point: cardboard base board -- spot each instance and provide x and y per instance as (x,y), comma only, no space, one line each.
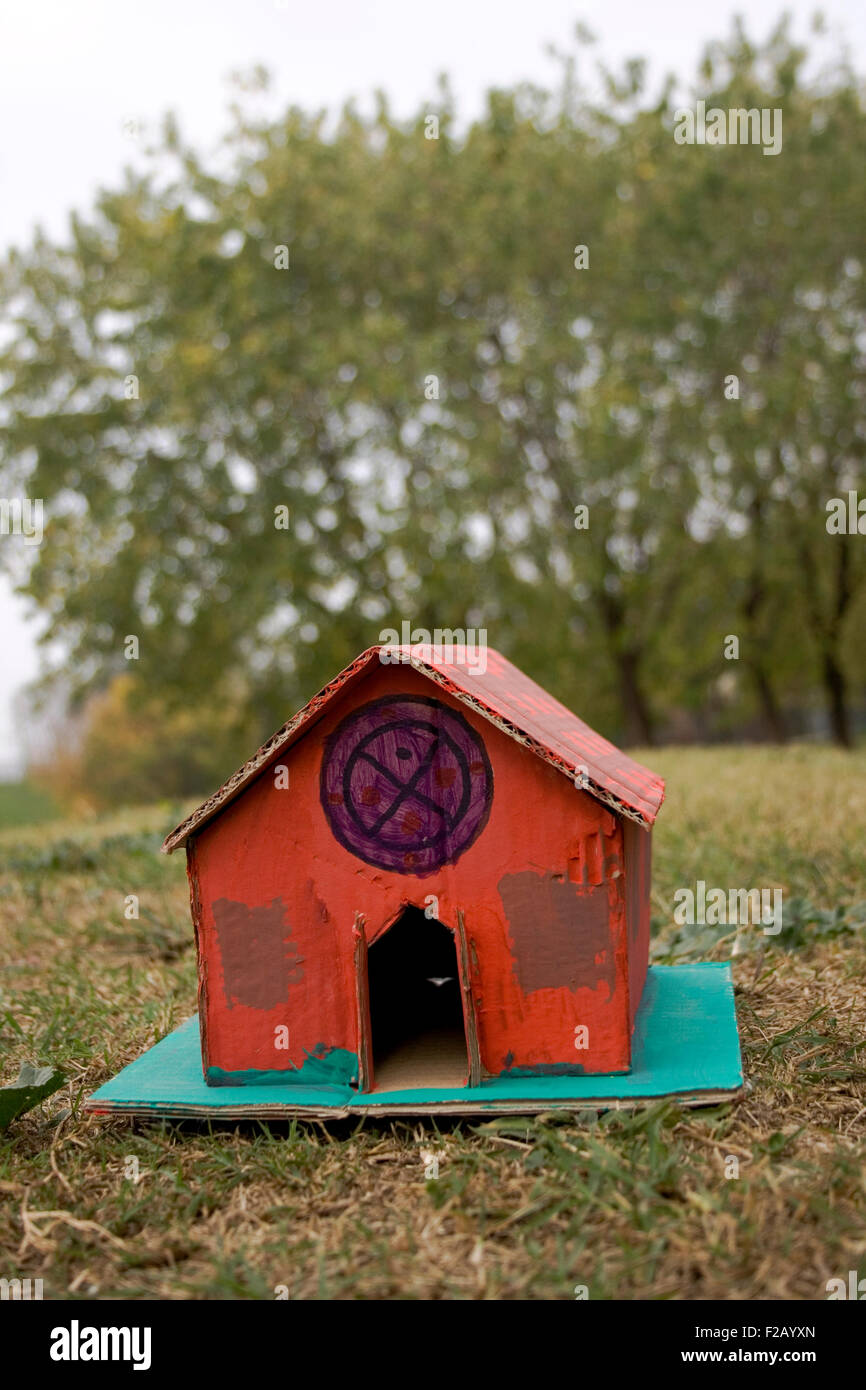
(685,1045)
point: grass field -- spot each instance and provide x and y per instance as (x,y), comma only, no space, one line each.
(631,1205)
(21,803)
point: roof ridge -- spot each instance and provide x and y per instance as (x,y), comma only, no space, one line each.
(591,761)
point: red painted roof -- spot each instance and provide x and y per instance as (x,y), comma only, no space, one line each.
(501,693)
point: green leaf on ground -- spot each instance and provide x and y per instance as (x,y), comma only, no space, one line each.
(33,1085)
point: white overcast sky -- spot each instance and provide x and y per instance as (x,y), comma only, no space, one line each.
(75,73)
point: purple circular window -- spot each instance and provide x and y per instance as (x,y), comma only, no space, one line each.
(406,784)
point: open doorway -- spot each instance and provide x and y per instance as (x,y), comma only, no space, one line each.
(416,1013)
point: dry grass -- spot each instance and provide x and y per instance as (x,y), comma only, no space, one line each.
(632,1205)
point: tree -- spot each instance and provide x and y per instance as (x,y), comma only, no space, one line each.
(363,375)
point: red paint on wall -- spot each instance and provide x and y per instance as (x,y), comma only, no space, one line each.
(273,843)
(509,699)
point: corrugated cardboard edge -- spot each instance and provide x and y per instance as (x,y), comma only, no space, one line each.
(497,1107)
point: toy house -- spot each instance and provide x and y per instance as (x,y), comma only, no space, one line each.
(429,891)
(429,877)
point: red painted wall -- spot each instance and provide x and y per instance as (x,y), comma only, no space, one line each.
(557,853)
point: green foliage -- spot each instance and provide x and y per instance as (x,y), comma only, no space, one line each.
(412,258)
(134,743)
(803,925)
(34,1084)
(69,856)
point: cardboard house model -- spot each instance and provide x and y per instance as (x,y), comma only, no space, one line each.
(430,876)
(430,891)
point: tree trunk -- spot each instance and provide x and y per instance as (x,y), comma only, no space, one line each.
(827,630)
(639,722)
(837,704)
(833,672)
(753,610)
(774,719)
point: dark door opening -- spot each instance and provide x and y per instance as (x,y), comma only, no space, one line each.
(416,1009)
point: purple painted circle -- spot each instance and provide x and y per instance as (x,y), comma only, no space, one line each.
(406,784)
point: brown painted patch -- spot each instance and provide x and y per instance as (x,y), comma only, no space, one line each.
(562,937)
(259,959)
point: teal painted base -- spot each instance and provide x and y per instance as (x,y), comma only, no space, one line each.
(326,1070)
(685,1045)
